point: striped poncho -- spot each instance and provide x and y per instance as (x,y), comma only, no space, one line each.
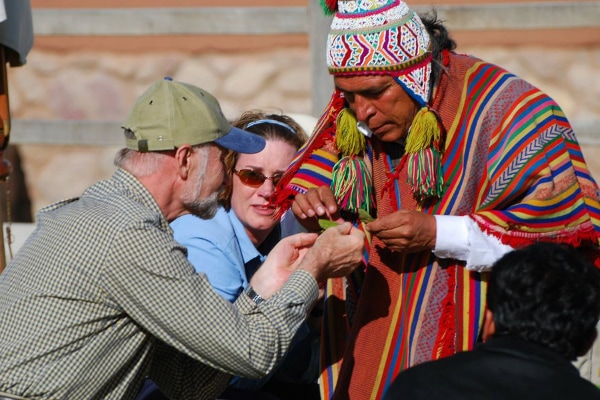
(510,161)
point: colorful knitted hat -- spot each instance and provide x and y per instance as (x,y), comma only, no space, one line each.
(385,37)
(380,37)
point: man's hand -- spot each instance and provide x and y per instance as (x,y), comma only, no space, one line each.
(314,204)
(405,231)
(282,260)
(336,253)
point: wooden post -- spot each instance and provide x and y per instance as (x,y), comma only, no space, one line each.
(5,166)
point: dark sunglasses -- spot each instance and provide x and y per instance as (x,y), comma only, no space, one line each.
(254,178)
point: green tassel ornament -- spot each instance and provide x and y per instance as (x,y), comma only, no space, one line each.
(425,173)
(351,181)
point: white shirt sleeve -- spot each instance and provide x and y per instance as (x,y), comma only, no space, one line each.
(459,237)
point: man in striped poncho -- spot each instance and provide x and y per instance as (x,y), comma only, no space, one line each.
(458,160)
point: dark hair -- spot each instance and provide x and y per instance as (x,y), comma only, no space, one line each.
(546,293)
(440,40)
(296,137)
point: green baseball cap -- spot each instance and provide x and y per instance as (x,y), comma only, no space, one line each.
(170,114)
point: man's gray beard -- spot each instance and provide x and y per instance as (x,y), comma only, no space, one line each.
(205,208)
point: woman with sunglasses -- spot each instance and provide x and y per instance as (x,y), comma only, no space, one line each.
(230,247)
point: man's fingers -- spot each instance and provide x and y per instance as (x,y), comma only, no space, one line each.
(315,203)
(316,206)
(301,206)
(384,223)
(344,228)
(328,200)
(300,240)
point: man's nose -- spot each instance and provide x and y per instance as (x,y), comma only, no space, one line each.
(362,108)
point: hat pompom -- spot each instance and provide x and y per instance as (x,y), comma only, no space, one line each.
(423,148)
(329,7)
(351,178)
(352,184)
(348,139)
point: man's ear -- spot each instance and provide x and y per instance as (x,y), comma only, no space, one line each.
(489,325)
(183,156)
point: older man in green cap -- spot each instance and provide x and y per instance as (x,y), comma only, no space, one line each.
(100,295)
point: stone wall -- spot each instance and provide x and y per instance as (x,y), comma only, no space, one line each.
(103,86)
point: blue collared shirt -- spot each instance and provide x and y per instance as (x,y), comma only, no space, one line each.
(220,248)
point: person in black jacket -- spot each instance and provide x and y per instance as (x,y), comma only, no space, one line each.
(543,306)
